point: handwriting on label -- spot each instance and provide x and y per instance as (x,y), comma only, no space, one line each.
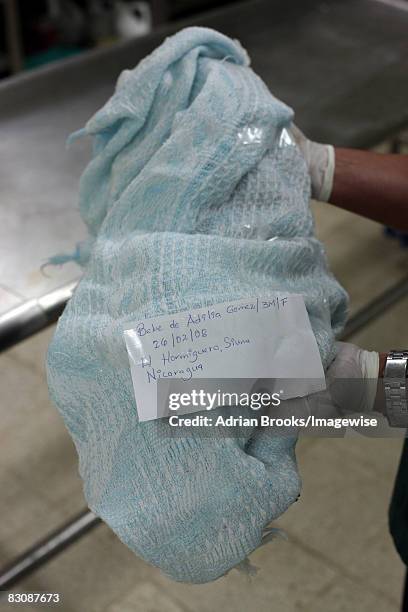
(181,342)
(176,334)
(247,338)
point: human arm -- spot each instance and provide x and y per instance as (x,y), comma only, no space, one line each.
(374,185)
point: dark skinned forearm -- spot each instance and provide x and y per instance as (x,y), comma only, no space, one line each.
(373,185)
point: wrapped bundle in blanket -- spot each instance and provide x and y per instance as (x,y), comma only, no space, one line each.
(195,195)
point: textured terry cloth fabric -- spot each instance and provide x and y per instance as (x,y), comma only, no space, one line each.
(189,201)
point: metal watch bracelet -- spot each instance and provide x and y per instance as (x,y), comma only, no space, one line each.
(395,388)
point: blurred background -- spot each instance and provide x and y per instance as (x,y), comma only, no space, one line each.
(43,31)
(342,66)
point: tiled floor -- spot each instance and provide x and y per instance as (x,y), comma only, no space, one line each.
(338,556)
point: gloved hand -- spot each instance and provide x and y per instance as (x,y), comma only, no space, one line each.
(352,379)
(320,161)
(351,387)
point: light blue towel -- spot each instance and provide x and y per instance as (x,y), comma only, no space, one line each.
(191,198)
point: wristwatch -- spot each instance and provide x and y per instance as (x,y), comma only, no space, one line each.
(395,388)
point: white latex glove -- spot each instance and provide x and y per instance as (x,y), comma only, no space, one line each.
(320,161)
(352,379)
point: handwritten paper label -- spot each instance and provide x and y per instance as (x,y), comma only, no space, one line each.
(260,338)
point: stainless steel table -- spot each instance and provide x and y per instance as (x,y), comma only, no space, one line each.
(342,64)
